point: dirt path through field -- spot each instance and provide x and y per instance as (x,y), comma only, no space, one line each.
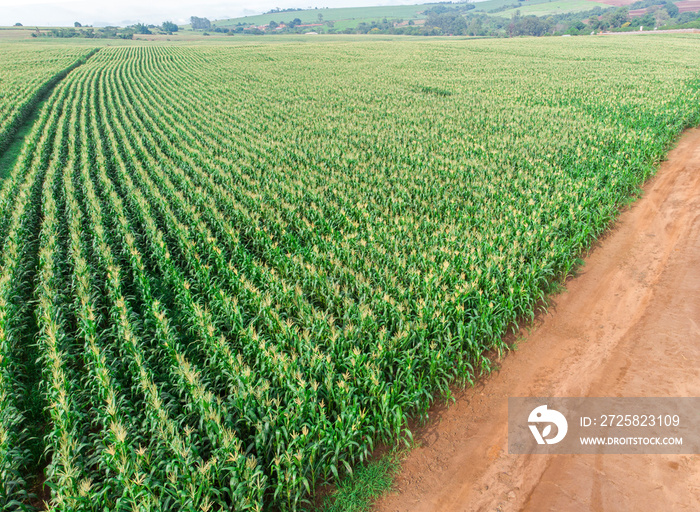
(628,325)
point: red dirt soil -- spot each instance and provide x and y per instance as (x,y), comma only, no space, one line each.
(637,12)
(688,6)
(616,3)
(628,325)
(684,6)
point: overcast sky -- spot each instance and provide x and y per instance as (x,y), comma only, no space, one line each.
(126,12)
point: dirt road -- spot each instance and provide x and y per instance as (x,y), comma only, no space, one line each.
(628,325)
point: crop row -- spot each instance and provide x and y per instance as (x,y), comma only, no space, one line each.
(228,272)
(26,75)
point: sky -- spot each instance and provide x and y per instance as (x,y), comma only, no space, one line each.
(128,12)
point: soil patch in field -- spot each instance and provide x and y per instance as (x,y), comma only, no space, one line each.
(688,6)
(628,325)
(616,3)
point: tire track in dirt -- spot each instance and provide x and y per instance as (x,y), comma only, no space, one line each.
(628,325)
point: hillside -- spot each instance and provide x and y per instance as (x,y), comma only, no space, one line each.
(308,16)
(552,7)
(351,16)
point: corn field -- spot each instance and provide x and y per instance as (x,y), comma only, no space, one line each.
(26,74)
(228,272)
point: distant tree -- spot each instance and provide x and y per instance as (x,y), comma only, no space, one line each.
(661,16)
(320,17)
(671,9)
(77,24)
(686,17)
(140,28)
(475,27)
(617,18)
(528,26)
(273,25)
(64,32)
(18,25)
(438,9)
(594,22)
(647,20)
(200,23)
(576,28)
(169,27)
(448,23)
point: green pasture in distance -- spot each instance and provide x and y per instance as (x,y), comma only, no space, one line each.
(406,12)
(552,7)
(489,5)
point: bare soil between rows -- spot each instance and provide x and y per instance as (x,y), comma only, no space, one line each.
(627,325)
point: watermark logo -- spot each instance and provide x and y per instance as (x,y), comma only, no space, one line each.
(603,425)
(542,415)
